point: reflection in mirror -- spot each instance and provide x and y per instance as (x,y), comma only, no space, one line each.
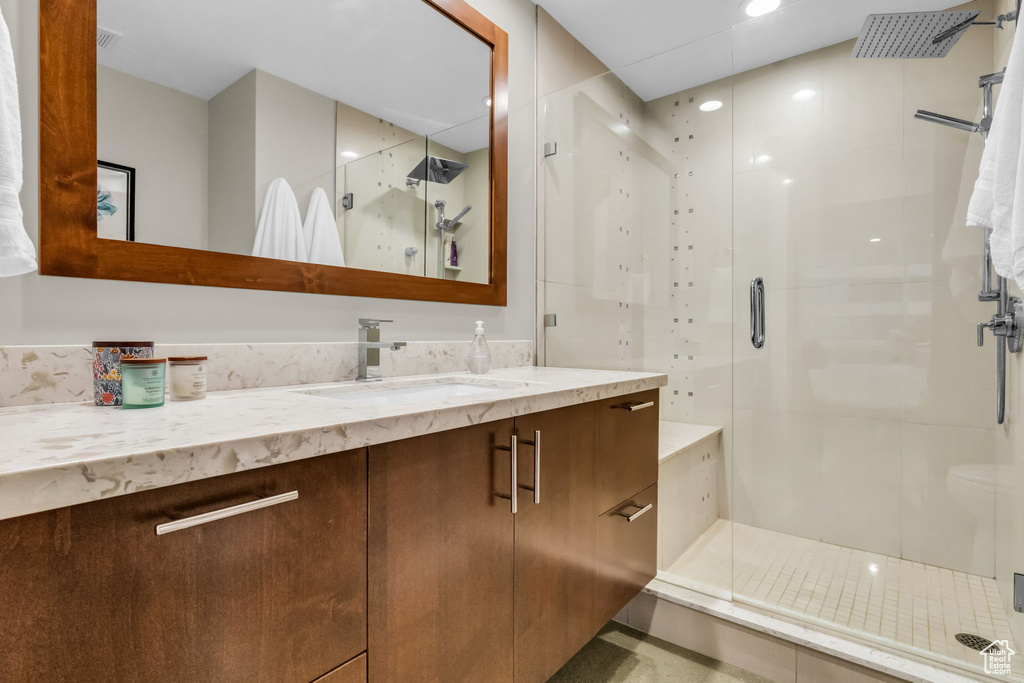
(360,143)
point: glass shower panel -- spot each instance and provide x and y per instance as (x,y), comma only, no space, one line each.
(857,424)
(385,227)
(635,285)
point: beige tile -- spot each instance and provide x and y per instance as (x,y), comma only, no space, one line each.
(861,484)
(721,640)
(950,380)
(782,375)
(777,471)
(948,520)
(856,365)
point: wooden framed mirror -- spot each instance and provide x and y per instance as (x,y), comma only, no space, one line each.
(182,145)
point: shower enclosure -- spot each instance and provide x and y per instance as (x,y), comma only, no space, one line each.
(789,245)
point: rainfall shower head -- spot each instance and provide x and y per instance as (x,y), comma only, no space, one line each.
(912,35)
(950,121)
(437,170)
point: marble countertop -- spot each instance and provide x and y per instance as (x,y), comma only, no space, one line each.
(68,453)
(675,437)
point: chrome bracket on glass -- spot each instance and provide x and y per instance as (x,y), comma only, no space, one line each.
(757,312)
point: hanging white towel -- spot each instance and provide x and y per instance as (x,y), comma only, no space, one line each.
(17,253)
(998,199)
(322,242)
(279,234)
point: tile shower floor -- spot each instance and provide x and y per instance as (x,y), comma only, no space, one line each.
(884,599)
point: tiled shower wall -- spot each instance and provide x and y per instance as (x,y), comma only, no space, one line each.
(850,423)
(870,391)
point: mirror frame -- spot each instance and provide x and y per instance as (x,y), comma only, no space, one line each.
(68,241)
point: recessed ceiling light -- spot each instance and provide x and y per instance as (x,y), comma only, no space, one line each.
(804,95)
(711,105)
(486,101)
(876,239)
(350,155)
(756,8)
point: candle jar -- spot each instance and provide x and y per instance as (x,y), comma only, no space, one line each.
(187,377)
(106,367)
(143,382)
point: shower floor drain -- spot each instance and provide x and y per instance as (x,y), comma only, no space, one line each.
(975,642)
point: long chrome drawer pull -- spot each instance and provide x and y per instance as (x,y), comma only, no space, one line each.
(633,407)
(207,517)
(632,517)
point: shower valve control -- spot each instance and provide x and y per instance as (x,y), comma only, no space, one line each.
(1009,325)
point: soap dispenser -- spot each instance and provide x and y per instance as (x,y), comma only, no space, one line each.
(479,355)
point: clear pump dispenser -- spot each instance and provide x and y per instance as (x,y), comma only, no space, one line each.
(479,360)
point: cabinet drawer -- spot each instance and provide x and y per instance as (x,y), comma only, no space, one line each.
(349,672)
(628,551)
(278,593)
(628,454)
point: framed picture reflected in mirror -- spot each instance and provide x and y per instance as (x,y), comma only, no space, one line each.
(115,201)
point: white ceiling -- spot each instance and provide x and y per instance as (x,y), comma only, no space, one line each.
(399,60)
(659,47)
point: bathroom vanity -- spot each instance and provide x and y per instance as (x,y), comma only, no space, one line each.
(440,528)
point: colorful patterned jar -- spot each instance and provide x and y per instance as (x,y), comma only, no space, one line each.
(106,368)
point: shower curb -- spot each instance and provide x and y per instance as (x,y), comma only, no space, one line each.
(901,666)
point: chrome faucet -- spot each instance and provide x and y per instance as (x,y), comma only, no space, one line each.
(369,349)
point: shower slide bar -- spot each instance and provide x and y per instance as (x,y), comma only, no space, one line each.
(1008,321)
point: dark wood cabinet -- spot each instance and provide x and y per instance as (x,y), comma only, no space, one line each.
(441,557)
(399,563)
(555,540)
(92,593)
(627,460)
(349,672)
(628,551)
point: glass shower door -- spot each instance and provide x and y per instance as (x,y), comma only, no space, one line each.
(859,422)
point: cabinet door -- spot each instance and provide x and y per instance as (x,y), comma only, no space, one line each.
(92,593)
(628,548)
(628,456)
(441,556)
(556,541)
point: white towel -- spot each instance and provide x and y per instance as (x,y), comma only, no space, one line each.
(279,234)
(998,200)
(17,253)
(322,242)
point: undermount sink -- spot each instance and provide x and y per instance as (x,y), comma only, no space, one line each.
(386,393)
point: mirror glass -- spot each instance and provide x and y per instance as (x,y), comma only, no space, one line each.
(343,132)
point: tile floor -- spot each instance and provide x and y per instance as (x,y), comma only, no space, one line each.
(619,654)
(885,599)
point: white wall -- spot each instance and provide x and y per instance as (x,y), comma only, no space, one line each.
(50,310)
(162,134)
(232,163)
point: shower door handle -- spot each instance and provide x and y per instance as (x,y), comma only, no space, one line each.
(757,312)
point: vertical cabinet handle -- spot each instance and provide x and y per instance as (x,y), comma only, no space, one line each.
(515,474)
(757,328)
(536,466)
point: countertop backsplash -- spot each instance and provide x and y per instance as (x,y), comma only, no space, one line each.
(36,375)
